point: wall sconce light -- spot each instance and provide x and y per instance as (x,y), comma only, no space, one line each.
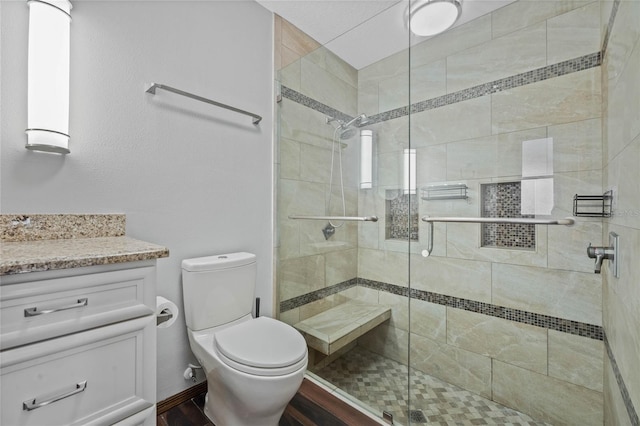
(366,159)
(48,76)
(431,17)
(409,168)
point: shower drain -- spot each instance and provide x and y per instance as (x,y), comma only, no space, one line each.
(417,416)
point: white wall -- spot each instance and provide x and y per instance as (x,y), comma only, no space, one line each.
(189,176)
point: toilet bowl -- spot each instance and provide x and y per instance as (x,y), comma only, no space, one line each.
(253,366)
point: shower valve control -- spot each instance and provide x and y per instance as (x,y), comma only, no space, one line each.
(602,253)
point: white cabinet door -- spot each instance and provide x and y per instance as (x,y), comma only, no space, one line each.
(99,376)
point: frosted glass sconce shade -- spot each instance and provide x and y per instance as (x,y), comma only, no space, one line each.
(48,76)
(409,169)
(366,159)
(431,17)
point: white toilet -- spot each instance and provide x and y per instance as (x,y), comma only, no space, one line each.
(253,366)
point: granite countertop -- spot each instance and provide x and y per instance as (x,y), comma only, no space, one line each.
(43,255)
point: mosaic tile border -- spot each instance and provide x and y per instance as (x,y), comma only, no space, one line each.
(539,320)
(304,299)
(540,74)
(612,18)
(304,100)
(631,411)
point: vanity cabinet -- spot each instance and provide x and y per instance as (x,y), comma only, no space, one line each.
(79,346)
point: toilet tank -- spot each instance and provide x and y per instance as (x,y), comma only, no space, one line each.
(218,289)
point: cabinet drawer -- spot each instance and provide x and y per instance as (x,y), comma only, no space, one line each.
(35,310)
(100,376)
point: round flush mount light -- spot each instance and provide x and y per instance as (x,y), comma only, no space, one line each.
(431,17)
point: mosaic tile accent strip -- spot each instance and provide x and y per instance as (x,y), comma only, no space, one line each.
(631,411)
(504,200)
(35,227)
(313,104)
(402,217)
(556,70)
(612,19)
(539,320)
(295,302)
(381,384)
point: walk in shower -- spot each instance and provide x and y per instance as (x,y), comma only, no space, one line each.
(430,244)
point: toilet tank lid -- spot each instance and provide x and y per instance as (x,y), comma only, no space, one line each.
(218,262)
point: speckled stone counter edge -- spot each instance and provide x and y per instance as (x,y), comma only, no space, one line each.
(33,227)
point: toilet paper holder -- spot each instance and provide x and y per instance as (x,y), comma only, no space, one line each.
(164,316)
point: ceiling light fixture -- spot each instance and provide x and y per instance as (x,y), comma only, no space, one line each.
(431,17)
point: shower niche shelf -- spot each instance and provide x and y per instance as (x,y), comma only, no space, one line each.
(457,191)
(593,205)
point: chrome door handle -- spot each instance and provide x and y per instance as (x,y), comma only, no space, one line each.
(34,312)
(32,404)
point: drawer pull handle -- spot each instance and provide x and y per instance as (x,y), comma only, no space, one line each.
(33,312)
(34,403)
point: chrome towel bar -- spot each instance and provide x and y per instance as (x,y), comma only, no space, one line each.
(526,221)
(152,89)
(345,218)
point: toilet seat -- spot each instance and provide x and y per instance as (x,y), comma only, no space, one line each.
(262,346)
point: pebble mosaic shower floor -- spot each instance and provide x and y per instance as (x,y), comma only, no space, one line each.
(382,383)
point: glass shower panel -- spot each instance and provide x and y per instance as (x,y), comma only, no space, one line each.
(505,122)
(345,213)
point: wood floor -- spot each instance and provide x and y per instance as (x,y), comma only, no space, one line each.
(311,406)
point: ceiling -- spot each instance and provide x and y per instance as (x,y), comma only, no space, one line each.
(362,32)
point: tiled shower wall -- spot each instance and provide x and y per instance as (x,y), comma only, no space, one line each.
(322,85)
(474,141)
(621,119)
(551,375)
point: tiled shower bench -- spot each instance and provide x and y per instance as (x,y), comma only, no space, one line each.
(335,328)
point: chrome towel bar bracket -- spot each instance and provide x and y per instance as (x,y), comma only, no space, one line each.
(527,221)
(152,89)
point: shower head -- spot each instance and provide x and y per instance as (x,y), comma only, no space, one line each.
(357,121)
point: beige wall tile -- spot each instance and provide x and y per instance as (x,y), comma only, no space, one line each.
(505,56)
(428,81)
(577,145)
(368,97)
(453,277)
(290,317)
(392,135)
(567,245)
(296,40)
(393,92)
(522,14)
(615,412)
(573,34)
(452,41)
(429,320)
(331,63)
(489,157)
(289,75)
(313,131)
(572,97)
(324,87)
(576,359)
(315,163)
(390,342)
(289,159)
(623,38)
(509,341)
(341,266)
(288,57)
(302,275)
(545,398)
(622,310)
(399,309)
(388,267)
(572,295)
(443,124)
(462,368)
(431,164)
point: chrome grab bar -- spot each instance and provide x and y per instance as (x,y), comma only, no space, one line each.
(32,404)
(34,312)
(345,218)
(514,220)
(152,89)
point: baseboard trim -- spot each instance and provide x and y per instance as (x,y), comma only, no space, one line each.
(179,398)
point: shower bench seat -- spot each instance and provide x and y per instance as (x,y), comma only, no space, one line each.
(335,328)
